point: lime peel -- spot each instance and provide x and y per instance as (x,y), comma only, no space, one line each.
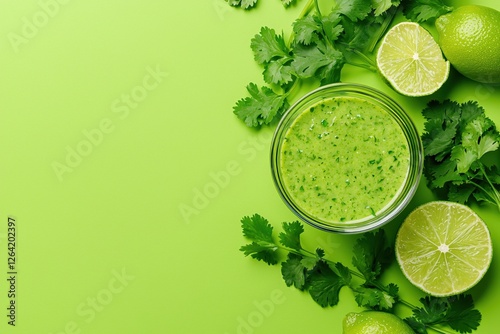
(374,322)
(469,39)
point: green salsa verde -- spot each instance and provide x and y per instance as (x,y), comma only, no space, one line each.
(344,159)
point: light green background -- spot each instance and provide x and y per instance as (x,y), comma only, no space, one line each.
(103,246)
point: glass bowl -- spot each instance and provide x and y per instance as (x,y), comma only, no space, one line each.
(346,158)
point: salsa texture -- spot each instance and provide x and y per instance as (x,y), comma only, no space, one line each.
(344,159)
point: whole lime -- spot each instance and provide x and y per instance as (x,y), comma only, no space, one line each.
(470,39)
(374,322)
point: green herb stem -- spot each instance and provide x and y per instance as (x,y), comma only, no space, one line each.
(307,9)
(379,286)
(496,197)
(383,28)
(316,5)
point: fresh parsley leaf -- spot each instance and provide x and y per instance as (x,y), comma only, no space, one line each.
(261,107)
(458,312)
(424,10)
(246,4)
(324,285)
(291,235)
(456,138)
(417,326)
(332,27)
(433,311)
(263,248)
(370,254)
(359,35)
(294,271)
(309,262)
(479,137)
(461,315)
(461,193)
(261,251)
(374,298)
(440,128)
(267,45)
(287,3)
(278,72)
(306,29)
(354,9)
(381,6)
(318,60)
(257,228)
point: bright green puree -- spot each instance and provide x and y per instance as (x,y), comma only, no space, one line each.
(344,159)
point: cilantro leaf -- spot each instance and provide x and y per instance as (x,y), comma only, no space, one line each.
(309,262)
(261,107)
(458,312)
(360,36)
(294,271)
(480,136)
(318,60)
(306,29)
(354,9)
(441,126)
(257,228)
(433,312)
(381,6)
(424,10)
(324,285)
(417,326)
(278,72)
(456,138)
(370,254)
(261,252)
(246,4)
(287,3)
(263,248)
(332,26)
(374,298)
(461,194)
(461,315)
(291,235)
(267,45)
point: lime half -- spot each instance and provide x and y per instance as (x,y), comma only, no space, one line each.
(443,248)
(411,60)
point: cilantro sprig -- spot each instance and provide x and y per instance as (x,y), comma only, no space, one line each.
(319,46)
(456,141)
(313,272)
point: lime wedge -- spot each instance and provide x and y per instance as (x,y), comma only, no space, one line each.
(411,61)
(443,248)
